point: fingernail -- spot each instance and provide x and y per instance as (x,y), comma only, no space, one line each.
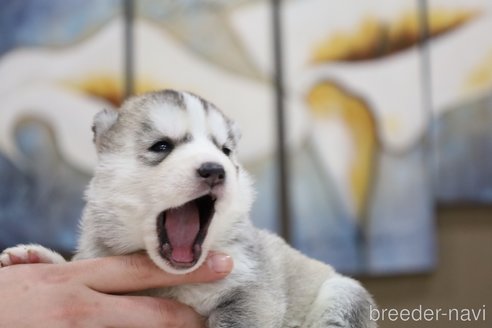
(220,263)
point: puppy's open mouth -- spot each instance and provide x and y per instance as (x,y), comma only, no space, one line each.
(182,230)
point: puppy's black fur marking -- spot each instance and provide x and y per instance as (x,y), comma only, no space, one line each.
(205,104)
(231,136)
(187,138)
(232,312)
(94,131)
(207,107)
(173,97)
(146,127)
(167,96)
(153,159)
(360,310)
(215,142)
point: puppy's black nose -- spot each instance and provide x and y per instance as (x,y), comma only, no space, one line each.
(212,173)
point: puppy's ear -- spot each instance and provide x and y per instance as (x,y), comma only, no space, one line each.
(103,121)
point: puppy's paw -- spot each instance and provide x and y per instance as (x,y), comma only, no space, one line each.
(23,254)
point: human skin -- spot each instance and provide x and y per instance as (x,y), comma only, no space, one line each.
(90,293)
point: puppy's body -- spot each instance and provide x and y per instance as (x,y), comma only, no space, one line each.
(168,182)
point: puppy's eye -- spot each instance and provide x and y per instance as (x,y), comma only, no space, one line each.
(226,150)
(161,146)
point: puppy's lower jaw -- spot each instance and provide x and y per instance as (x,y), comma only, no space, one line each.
(182,230)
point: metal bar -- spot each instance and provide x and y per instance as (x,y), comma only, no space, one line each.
(430,141)
(426,79)
(282,160)
(129,77)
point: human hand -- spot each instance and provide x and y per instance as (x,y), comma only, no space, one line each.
(81,293)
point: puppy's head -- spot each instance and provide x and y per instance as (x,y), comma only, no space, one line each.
(167,179)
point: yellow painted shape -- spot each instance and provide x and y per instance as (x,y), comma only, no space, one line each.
(481,76)
(374,38)
(349,46)
(111,88)
(328,101)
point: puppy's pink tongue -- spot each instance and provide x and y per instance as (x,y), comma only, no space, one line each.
(182,227)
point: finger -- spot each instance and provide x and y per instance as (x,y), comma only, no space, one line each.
(123,274)
(143,311)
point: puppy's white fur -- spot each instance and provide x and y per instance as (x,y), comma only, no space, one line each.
(272,285)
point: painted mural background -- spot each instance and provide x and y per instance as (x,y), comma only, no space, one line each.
(461,68)
(368,144)
(51,55)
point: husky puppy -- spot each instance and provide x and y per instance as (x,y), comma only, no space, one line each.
(168,182)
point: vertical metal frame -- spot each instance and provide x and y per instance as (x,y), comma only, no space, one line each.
(426,81)
(427,103)
(282,155)
(129,62)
